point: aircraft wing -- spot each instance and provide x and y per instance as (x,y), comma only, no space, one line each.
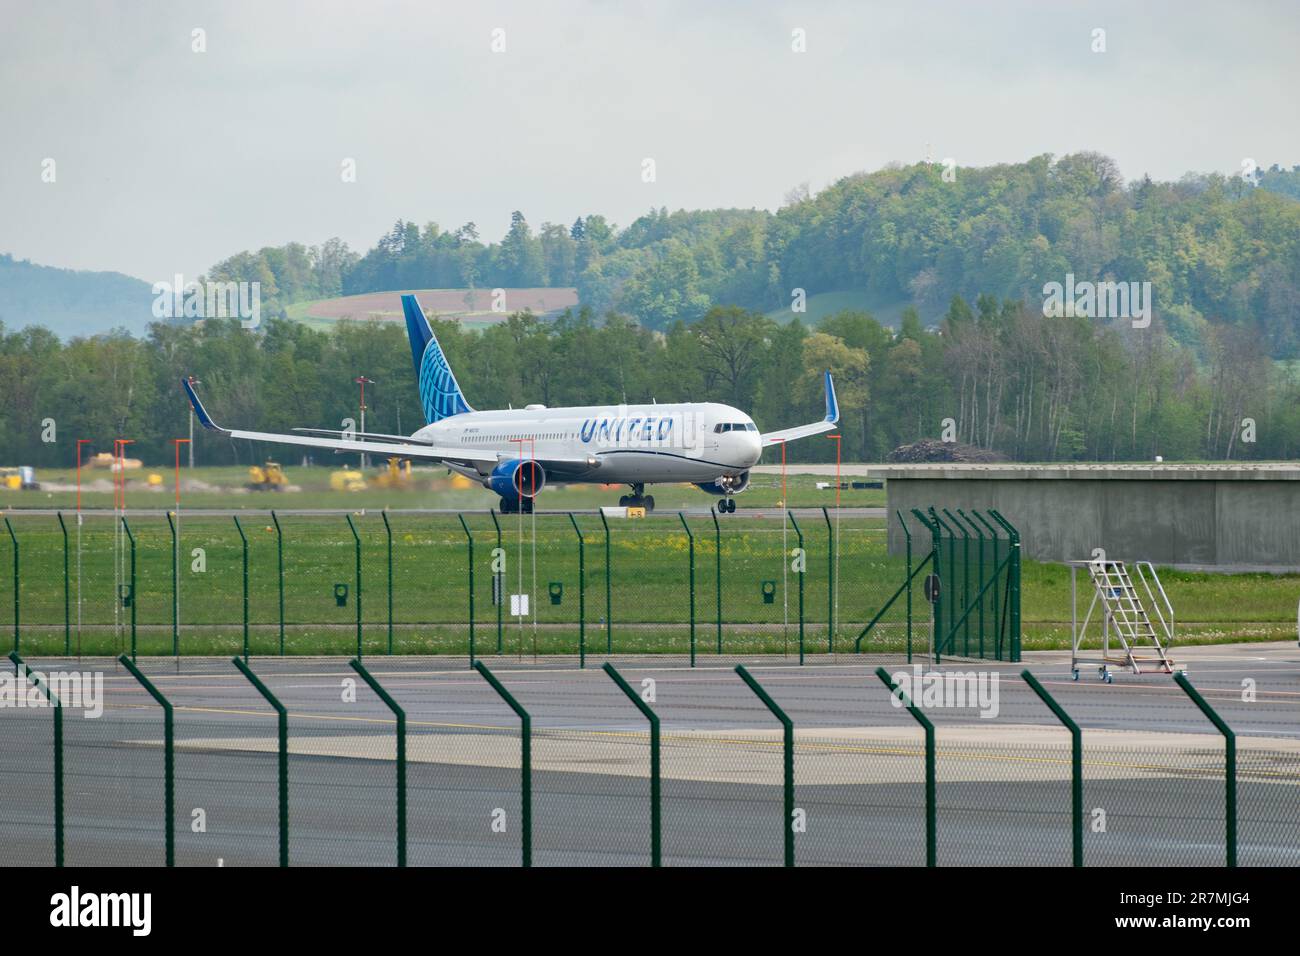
(482,460)
(814,428)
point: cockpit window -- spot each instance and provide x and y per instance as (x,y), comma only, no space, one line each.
(721,427)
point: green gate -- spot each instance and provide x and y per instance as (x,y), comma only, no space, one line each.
(976,614)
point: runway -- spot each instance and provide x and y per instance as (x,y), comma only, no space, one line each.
(1153,764)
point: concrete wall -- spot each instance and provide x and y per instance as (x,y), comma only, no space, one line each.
(1219,518)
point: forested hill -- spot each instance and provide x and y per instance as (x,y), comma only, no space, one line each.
(72,302)
(1215,248)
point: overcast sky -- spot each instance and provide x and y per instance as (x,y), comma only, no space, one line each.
(169,160)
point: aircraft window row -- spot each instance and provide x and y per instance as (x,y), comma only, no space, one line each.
(487,438)
(721,427)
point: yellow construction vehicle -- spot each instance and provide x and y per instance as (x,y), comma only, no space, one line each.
(21,478)
(396,475)
(347,480)
(266,477)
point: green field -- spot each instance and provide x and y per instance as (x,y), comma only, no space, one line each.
(886,311)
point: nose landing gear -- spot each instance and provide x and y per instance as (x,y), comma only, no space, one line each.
(727,506)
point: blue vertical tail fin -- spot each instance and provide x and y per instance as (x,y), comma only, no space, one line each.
(440,395)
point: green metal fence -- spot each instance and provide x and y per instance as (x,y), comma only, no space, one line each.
(974,558)
(390,583)
(226,763)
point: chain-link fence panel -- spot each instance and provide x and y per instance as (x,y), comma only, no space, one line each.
(654,585)
(31,584)
(1268,802)
(1153,799)
(226,763)
(321,592)
(113,776)
(342,764)
(27,773)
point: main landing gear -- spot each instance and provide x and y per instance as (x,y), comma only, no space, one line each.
(727,506)
(514,506)
(638,499)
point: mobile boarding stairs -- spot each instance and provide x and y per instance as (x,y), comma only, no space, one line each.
(1129,636)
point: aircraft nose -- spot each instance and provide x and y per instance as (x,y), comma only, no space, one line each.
(753,446)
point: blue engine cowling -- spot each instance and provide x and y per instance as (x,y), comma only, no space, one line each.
(726,484)
(517,478)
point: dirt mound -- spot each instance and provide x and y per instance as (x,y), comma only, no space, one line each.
(931,450)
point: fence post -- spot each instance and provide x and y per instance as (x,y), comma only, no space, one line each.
(830,582)
(965,577)
(17,644)
(924,721)
(356,541)
(691,539)
(20,667)
(787,762)
(500,591)
(131,538)
(243,538)
(936,561)
(609,594)
(279,564)
(997,592)
(169,757)
(283,726)
(470,539)
(525,761)
(1229,764)
(1013,585)
(582,593)
(67,593)
(908,535)
(717,539)
(656,799)
(950,585)
(979,580)
(804,565)
(388,533)
(176,587)
(400,716)
(1076,761)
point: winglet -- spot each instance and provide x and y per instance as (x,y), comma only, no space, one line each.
(204,418)
(832,405)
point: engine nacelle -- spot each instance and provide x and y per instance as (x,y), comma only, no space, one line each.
(517,478)
(726,484)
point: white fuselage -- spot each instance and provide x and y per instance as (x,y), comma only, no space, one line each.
(612,444)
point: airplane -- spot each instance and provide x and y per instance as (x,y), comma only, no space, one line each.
(516,452)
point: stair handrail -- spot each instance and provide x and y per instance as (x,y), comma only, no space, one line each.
(1166,625)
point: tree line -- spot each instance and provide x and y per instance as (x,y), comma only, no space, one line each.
(995,372)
